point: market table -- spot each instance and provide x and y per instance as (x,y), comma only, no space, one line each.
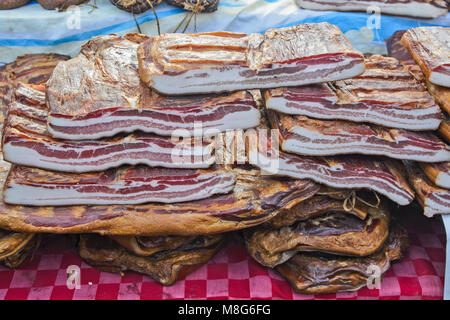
(231,274)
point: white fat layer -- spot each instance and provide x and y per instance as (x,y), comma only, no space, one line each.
(190,82)
(413,9)
(231,121)
(281,167)
(357,145)
(394,118)
(63,195)
(440,79)
(30,157)
(443,180)
(432,207)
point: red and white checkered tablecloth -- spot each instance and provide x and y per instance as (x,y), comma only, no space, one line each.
(231,274)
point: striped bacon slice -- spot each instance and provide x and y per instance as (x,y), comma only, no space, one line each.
(382,175)
(164,267)
(27,142)
(318,273)
(385,94)
(177,64)
(124,185)
(430,48)
(99,94)
(306,136)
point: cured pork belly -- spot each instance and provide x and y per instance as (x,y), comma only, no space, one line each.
(397,50)
(430,48)
(125,185)
(440,94)
(385,94)
(15,247)
(438,173)
(166,267)
(31,69)
(433,199)
(382,175)
(99,94)
(325,225)
(176,64)
(28,142)
(412,8)
(255,199)
(306,136)
(318,273)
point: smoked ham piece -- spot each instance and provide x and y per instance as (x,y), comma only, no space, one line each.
(318,273)
(176,64)
(438,173)
(412,8)
(165,267)
(382,175)
(433,199)
(385,94)
(99,94)
(430,48)
(27,142)
(124,185)
(306,136)
(325,225)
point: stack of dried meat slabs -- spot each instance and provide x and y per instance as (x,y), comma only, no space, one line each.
(97,151)
(348,135)
(425,52)
(122,145)
(339,219)
(33,69)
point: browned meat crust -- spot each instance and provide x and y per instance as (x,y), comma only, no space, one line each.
(314,273)
(146,246)
(433,199)
(386,94)
(429,48)
(16,247)
(328,229)
(166,267)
